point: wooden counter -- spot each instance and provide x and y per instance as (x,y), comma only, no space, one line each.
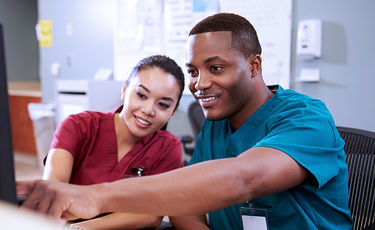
(25,88)
(21,94)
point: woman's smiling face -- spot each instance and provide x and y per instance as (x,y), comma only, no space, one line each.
(150,100)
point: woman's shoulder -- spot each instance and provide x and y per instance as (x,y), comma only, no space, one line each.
(87,119)
(166,136)
(89,115)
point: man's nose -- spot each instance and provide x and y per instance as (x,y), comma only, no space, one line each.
(203,81)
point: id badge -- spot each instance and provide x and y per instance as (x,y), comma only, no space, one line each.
(254,218)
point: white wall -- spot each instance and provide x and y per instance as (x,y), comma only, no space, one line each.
(347,63)
(347,74)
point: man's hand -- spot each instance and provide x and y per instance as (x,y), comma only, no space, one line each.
(60,200)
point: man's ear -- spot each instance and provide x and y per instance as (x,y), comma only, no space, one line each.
(255,64)
(123,92)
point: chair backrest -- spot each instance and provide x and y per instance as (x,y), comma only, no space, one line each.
(360,157)
(196,118)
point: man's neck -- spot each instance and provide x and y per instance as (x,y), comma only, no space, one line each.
(261,96)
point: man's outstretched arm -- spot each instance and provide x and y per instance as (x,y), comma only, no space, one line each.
(192,190)
(189,222)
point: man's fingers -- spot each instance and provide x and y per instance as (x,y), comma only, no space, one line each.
(33,197)
(69,216)
(59,200)
(25,187)
(57,207)
(45,203)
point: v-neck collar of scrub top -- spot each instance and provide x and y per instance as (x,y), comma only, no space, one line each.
(249,129)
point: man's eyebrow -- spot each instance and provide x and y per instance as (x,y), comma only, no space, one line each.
(163,98)
(214,58)
(208,60)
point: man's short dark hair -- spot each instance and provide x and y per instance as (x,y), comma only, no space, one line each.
(244,36)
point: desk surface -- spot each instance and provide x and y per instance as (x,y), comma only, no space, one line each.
(25,88)
(12,217)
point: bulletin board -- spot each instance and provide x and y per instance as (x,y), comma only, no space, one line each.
(147,27)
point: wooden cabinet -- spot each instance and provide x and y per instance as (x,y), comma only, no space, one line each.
(21,94)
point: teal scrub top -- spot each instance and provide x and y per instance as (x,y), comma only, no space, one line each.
(304,129)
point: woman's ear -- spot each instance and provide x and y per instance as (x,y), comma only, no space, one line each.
(123,92)
(255,64)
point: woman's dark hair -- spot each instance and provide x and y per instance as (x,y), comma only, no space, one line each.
(165,63)
(244,36)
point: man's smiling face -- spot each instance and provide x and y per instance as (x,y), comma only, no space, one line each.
(220,76)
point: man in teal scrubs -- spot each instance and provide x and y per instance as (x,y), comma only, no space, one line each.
(261,146)
(279,127)
(302,128)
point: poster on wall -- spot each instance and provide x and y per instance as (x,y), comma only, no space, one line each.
(147,27)
(138,33)
(44,34)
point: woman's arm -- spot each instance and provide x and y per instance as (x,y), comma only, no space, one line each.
(121,221)
(58,166)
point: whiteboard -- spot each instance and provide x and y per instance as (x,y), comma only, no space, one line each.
(272,19)
(147,27)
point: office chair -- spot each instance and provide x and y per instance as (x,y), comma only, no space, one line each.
(360,157)
(196,118)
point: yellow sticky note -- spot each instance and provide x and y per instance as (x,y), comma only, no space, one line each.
(45,33)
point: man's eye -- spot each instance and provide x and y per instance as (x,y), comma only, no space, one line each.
(141,95)
(193,73)
(216,68)
(164,105)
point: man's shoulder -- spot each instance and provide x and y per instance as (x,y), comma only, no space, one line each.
(291,95)
(290,99)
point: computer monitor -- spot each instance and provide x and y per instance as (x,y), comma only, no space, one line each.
(7,177)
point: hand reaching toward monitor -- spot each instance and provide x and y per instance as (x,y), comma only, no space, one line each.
(60,200)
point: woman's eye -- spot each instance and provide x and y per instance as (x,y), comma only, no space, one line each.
(164,105)
(141,95)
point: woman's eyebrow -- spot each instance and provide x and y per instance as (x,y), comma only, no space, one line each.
(145,88)
(167,98)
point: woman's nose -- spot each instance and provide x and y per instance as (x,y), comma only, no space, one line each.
(148,108)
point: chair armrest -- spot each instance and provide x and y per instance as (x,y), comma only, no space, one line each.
(185,139)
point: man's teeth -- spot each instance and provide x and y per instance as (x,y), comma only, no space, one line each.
(208,99)
(143,121)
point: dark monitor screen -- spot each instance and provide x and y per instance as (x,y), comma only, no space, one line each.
(7,178)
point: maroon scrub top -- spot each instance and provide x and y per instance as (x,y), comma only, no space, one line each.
(91,138)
